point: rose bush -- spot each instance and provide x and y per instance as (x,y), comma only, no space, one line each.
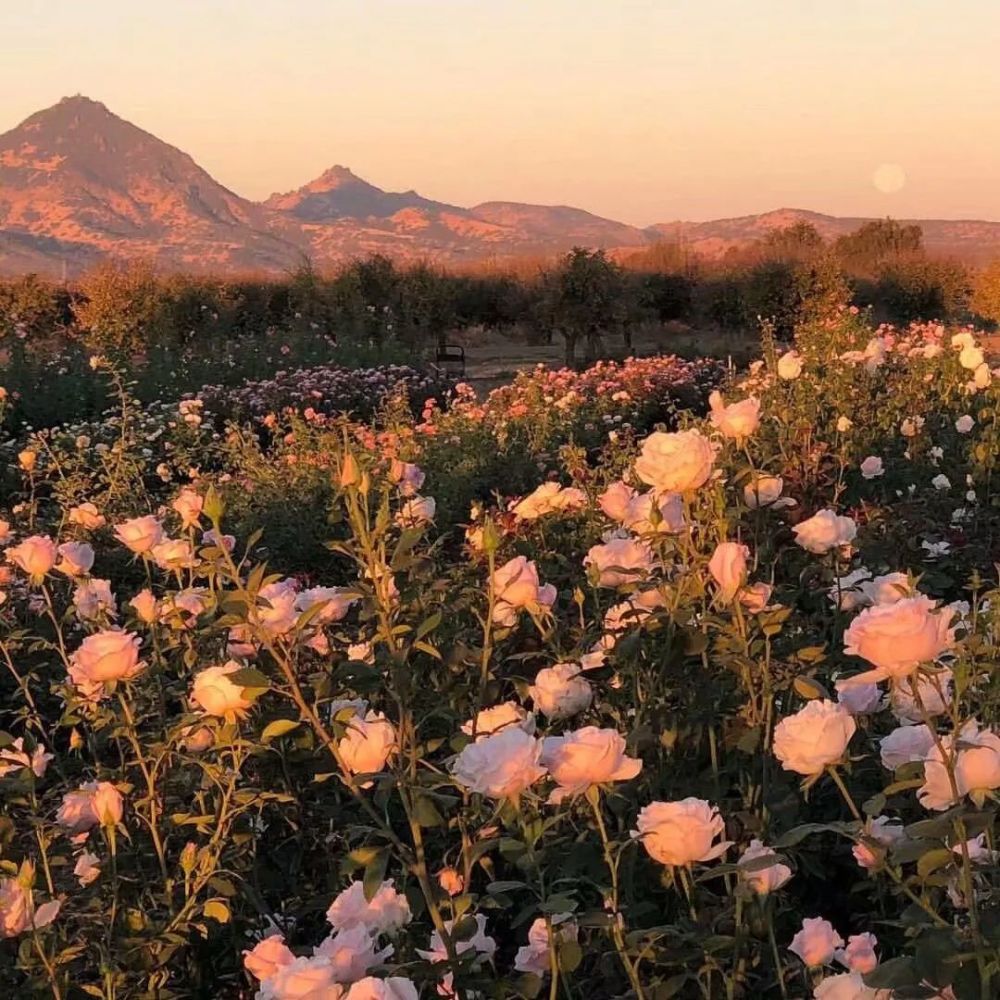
(696,710)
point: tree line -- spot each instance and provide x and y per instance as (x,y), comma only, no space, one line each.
(580,298)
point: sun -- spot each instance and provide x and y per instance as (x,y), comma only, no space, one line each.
(889,178)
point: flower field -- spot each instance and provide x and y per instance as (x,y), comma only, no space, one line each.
(654,680)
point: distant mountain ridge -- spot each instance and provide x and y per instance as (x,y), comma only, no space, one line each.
(78,183)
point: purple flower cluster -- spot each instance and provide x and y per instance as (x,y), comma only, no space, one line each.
(325,389)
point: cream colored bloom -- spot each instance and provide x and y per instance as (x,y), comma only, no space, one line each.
(588,756)
(677,463)
(682,832)
(813,738)
(501,766)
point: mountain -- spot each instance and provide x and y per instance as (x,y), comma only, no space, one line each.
(78,183)
(78,176)
(338,193)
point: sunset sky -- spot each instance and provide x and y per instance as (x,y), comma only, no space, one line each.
(640,111)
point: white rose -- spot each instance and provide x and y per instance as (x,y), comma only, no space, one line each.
(500,766)
(816,943)
(140,534)
(823,531)
(217,695)
(620,561)
(872,467)
(677,463)
(790,365)
(814,737)
(559,691)
(680,833)
(737,420)
(762,879)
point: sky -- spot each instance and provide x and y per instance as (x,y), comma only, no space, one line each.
(640,111)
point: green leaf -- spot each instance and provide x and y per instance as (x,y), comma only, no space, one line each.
(248,677)
(279,727)
(375,874)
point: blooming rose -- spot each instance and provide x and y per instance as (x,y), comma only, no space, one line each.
(351,953)
(189,505)
(368,744)
(850,986)
(823,531)
(898,637)
(615,500)
(549,498)
(336,602)
(934,690)
(859,955)
(859,699)
(385,913)
(964,424)
(302,979)
(817,942)
(173,553)
(814,737)
(144,605)
(886,589)
(416,511)
(491,720)
(77,558)
(765,491)
(559,691)
(94,804)
(534,957)
(728,567)
(479,941)
(755,597)
(762,879)
(588,756)
(620,561)
(14,757)
(35,555)
(93,598)
(140,534)
(680,833)
(872,467)
(790,365)
(17,909)
(105,656)
(975,760)
(905,745)
(678,462)
(619,618)
(267,956)
(407,476)
(516,586)
(274,610)
(87,516)
(217,695)
(737,420)
(500,766)
(878,834)
(391,988)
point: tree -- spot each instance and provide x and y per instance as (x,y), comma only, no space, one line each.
(587,295)
(986,293)
(877,243)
